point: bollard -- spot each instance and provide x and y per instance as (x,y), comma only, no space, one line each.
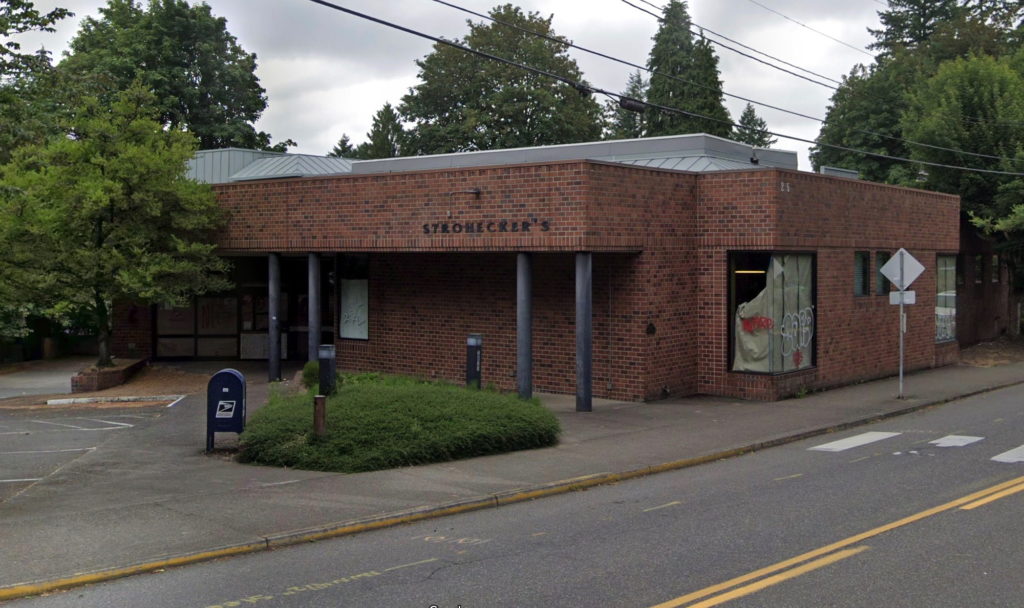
(474,360)
(320,416)
(328,366)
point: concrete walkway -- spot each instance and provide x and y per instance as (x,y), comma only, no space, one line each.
(149,498)
(42,378)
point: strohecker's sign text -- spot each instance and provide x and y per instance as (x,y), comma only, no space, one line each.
(488,226)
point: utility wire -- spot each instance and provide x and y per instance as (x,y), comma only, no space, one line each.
(725,46)
(771,10)
(749,48)
(586,89)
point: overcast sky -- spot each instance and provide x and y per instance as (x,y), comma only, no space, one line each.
(327,72)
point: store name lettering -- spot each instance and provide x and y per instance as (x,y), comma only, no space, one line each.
(482,227)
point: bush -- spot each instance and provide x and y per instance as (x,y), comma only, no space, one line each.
(311,375)
(380,422)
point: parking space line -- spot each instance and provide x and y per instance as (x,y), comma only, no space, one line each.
(48,451)
(124,424)
(20,480)
(70,426)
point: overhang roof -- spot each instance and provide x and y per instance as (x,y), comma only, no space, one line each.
(293,165)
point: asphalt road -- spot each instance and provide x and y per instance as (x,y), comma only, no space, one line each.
(921,510)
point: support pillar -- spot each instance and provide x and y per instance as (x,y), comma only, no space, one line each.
(313,293)
(524,325)
(273,317)
(584,331)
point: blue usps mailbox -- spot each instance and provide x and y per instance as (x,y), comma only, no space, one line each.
(225,404)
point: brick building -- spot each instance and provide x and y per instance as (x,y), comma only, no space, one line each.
(695,264)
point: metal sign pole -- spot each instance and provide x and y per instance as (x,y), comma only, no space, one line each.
(903,324)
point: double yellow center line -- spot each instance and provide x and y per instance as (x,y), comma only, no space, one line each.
(812,560)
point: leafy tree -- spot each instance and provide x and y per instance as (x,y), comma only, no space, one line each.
(753,129)
(465,102)
(204,81)
(343,148)
(975,105)
(107,214)
(622,123)
(677,53)
(19,17)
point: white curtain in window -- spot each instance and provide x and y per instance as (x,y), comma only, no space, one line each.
(774,331)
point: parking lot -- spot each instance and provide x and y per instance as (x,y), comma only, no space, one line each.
(37,442)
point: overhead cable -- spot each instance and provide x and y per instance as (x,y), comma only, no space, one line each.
(590,89)
(567,43)
(846,44)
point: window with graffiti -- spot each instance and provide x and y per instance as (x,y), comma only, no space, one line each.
(945,298)
(772,310)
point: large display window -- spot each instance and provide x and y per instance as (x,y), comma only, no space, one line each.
(772,311)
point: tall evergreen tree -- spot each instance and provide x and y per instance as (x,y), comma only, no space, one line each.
(464,102)
(698,88)
(753,129)
(621,123)
(343,149)
(386,138)
(908,23)
(204,80)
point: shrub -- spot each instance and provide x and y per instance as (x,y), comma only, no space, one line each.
(379,422)
(311,375)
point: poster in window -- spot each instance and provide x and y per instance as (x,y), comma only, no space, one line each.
(774,331)
(354,302)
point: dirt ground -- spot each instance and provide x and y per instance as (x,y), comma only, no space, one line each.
(1003,351)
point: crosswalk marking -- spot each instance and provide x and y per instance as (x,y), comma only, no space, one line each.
(854,442)
(955,441)
(1011,456)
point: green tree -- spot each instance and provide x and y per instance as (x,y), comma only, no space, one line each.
(203,80)
(975,105)
(386,138)
(908,23)
(343,149)
(465,102)
(18,17)
(697,86)
(107,214)
(621,123)
(753,130)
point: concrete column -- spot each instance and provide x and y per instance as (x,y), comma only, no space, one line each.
(524,325)
(273,317)
(313,293)
(584,331)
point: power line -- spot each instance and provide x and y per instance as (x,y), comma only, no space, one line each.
(725,46)
(771,10)
(586,89)
(749,48)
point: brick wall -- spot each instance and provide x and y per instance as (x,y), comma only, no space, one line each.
(442,265)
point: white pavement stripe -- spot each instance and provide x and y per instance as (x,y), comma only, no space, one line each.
(108,422)
(955,441)
(48,451)
(853,442)
(70,426)
(1014,455)
(20,480)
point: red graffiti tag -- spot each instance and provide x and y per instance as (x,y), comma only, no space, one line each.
(755,323)
(798,357)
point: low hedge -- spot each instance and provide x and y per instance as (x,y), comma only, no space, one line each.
(380,422)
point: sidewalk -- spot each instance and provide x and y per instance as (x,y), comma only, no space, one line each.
(150,498)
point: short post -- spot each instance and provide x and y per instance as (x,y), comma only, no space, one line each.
(328,368)
(474,360)
(320,415)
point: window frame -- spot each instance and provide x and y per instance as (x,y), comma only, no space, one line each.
(862,261)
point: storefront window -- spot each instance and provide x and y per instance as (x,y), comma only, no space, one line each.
(354,292)
(945,299)
(772,311)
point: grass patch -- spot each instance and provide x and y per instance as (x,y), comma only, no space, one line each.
(381,422)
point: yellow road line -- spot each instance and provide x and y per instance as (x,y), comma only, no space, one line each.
(425,561)
(993,497)
(788,477)
(842,544)
(778,578)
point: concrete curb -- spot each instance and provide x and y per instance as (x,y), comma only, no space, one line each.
(284,539)
(78,400)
